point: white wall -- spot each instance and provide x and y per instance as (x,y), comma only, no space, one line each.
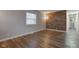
(77,19)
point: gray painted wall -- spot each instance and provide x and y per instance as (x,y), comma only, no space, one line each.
(13,22)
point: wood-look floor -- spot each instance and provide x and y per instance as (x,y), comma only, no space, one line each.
(41,39)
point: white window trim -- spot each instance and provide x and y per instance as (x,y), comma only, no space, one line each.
(31,19)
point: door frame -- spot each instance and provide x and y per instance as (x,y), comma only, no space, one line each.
(67,19)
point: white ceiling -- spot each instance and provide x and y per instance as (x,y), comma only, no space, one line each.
(47,11)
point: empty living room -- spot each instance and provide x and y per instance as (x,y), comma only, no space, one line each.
(39,29)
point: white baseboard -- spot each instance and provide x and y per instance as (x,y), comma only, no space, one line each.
(20,35)
(55,30)
(29,33)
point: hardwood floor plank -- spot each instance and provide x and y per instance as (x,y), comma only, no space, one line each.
(41,39)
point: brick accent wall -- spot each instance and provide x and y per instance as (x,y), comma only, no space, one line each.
(57,20)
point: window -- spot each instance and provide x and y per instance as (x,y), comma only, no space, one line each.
(30,18)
